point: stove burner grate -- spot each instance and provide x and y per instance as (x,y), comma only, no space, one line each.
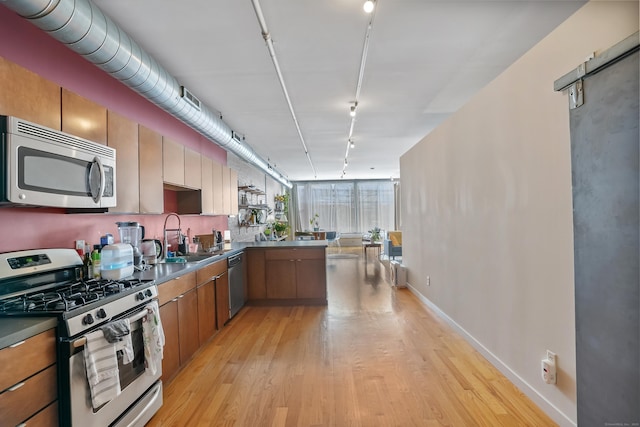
(67,297)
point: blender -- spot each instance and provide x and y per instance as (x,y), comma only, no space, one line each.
(132,233)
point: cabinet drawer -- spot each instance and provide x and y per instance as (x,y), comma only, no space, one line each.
(206,273)
(294,254)
(23,360)
(29,397)
(48,417)
(171,289)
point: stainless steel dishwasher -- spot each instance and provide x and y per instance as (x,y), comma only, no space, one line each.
(236,284)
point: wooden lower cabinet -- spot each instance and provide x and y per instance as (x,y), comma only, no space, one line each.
(207,311)
(29,380)
(287,276)
(171,352)
(222,300)
(178,301)
(188,325)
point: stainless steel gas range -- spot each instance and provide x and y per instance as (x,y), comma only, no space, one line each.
(123,313)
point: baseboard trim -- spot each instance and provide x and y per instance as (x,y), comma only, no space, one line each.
(549,408)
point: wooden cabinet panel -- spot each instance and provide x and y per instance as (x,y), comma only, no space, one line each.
(28,398)
(28,96)
(188,325)
(206,195)
(281,278)
(192,169)
(48,417)
(171,352)
(226,191)
(176,287)
(23,360)
(256,286)
(233,191)
(123,136)
(150,171)
(206,311)
(222,300)
(83,117)
(311,281)
(216,174)
(172,162)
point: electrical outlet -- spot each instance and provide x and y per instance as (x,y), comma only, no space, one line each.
(548,368)
(428,280)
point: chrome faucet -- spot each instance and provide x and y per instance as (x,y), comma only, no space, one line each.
(165,234)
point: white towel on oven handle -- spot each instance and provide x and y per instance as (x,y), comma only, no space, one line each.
(153,336)
(126,345)
(101,364)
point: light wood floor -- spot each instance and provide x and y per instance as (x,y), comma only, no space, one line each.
(375,356)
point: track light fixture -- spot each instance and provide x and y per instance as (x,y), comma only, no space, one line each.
(352,113)
(368,6)
(352,144)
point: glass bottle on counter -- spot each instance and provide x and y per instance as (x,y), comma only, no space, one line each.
(87,267)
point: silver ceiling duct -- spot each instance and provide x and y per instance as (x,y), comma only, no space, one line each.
(82,27)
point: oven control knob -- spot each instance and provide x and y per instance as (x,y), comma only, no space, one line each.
(148,292)
(88,319)
(101,314)
(140,296)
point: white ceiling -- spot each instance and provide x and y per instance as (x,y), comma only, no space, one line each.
(425,60)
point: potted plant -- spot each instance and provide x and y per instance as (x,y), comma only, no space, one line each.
(313,221)
(280,228)
(375,234)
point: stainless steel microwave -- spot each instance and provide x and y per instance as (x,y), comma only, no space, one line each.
(47,167)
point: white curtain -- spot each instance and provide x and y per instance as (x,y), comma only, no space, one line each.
(345,206)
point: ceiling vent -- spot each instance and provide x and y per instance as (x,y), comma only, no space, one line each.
(237,138)
(191,98)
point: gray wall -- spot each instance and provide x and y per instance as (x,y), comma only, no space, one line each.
(604,157)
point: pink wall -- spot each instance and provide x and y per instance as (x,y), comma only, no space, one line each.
(30,228)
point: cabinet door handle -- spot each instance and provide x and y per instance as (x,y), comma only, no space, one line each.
(298,260)
(180,296)
(17,344)
(15,387)
(174,300)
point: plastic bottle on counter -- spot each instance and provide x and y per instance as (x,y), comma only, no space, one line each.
(95,261)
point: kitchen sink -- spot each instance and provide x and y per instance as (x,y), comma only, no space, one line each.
(191,258)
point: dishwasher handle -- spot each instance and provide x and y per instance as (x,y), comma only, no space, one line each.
(234,260)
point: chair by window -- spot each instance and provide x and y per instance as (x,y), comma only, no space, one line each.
(333,237)
(393,244)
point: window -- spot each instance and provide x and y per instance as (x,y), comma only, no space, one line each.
(346,206)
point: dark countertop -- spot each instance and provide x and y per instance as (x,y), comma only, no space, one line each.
(163,272)
(15,329)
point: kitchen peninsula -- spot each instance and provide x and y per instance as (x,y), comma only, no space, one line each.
(287,273)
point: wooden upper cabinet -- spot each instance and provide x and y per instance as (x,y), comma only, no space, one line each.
(226,190)
(216,173)
(233,189)
(28,96)
(84,118)
(192,169)
(207,186)
(150,171)
(123,136)
(172,162)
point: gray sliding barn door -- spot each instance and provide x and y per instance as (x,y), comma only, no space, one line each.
(605,158)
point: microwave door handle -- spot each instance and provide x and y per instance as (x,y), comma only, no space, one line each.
(96,188)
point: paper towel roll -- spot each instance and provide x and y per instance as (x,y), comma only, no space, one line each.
(227,235)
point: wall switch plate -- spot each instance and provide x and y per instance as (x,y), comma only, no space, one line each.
(428,280)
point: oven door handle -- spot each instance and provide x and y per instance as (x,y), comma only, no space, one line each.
(83,340)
